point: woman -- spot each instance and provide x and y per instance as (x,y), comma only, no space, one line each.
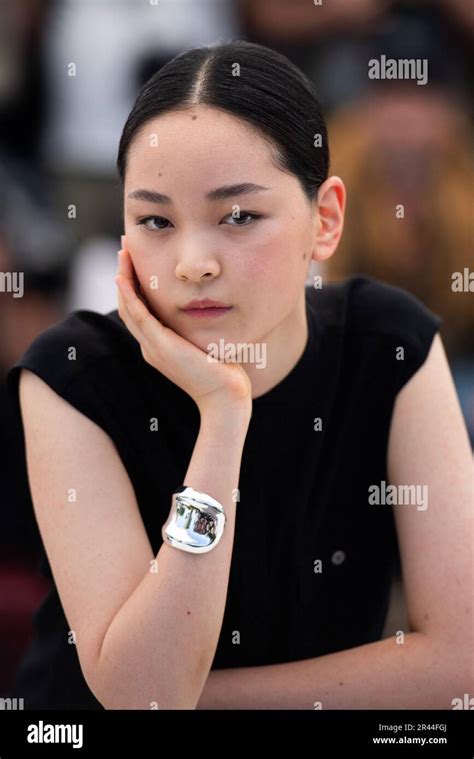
(224,160)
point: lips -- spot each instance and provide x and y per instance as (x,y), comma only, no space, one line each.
(205,311)
(206,303)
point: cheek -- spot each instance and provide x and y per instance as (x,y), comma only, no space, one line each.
(144,274)
(152,286)
(273,259)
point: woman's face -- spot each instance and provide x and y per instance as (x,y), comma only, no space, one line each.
(193,247)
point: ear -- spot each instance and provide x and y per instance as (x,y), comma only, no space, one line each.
(331,203)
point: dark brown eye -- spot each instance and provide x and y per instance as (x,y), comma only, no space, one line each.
(243,214)
(142,222)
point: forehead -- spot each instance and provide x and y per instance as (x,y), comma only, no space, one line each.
(200,144)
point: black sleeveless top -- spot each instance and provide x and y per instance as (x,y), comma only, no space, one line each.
(316,442)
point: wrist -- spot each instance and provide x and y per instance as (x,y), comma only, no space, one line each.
(223,406)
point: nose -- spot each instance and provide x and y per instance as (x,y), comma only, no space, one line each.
(194,266)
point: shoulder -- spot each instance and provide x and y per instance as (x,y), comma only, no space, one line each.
(387,327)
(376,306)
(80,358)
(91,334)
(77,342)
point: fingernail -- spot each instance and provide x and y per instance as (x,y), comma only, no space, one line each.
(122,238)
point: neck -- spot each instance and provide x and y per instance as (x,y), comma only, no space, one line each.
(283,348)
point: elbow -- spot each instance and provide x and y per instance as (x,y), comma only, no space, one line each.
(453,661)
(92,671)
(116,687)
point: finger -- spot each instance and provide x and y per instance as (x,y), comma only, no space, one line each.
(128,270)
(126,260)
(121,273)
(149,331)
(137,310)
(125,314)
(122,307)
(127,274)
(136,294)
(123,276)
(156,339)
(125,263)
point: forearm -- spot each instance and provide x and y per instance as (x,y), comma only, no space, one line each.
(160,645)
(418,674)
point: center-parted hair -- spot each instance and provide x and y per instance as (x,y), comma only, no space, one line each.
(252,82)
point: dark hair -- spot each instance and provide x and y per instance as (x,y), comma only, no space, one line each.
(269,93)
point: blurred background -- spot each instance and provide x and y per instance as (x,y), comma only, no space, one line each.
(70,71)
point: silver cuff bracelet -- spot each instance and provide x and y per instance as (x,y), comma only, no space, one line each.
(196,521)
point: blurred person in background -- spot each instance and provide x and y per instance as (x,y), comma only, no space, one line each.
(331,40)
(412,152)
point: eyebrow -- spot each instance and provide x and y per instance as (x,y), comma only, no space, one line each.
(220,193)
